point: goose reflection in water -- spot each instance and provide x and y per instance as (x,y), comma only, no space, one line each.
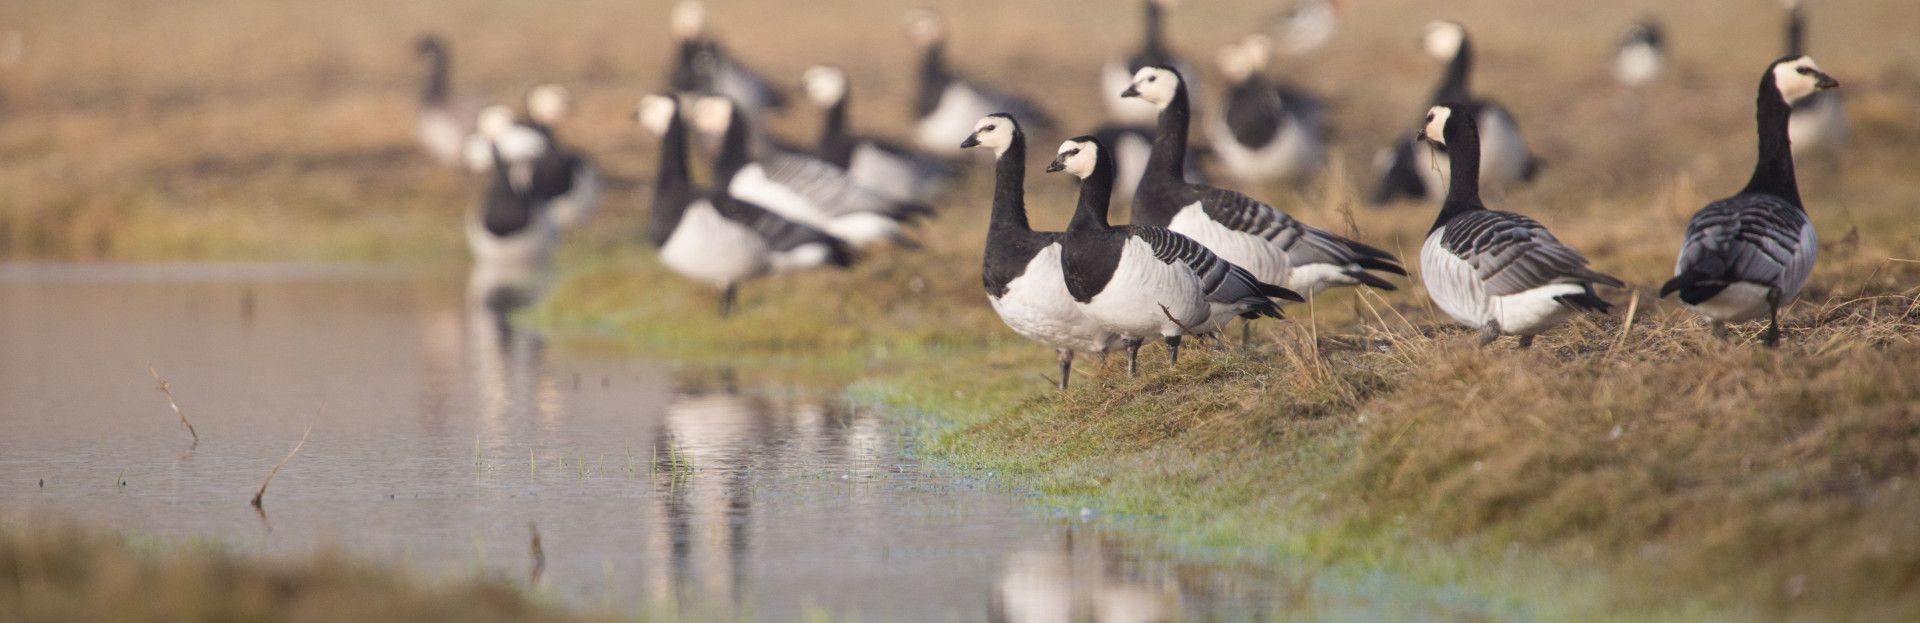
(1080,577)
(508,361)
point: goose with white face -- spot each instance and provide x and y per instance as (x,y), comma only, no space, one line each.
(688,21)
(549,104)
(994,132)
(1077,158)
(656,113)
(712,115)
(825,85)
(1155,85)
(1442,40)
(1435,130)
(1799,78)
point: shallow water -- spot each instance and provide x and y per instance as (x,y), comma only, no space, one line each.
(442,439)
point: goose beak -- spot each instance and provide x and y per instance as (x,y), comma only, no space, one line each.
(1824,81)
(973,140)
(1132,91)
(1056,166)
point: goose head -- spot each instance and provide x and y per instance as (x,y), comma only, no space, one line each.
(994,132)
(688,21)
(1442,39)
(1443,121)
(656,113)
(825,85)
(1156,85)
(712,115)
(494,121)
(549,104)
(1077,156)
(926,27)
(1797,77)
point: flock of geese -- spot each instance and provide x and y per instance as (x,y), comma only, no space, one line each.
(1194,256)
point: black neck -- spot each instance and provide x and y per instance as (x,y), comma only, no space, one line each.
(1773,172)
(1796,32)
(673,183)
(438,77)
(1167,162)
(1096,192)
(1453,85)
(508,209)
(833,129)
(1009,187)
(733,150)
(1154,37)
(1463,157)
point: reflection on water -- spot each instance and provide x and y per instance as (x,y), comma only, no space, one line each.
(441,431)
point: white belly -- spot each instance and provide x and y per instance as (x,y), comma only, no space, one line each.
(1130,155)
(942,131)
(889,175)
(1817,128)
(1739,302)
(1636,64)
(707,247)
(527,249)
(1503,153)
(1311,279)
(1292,156)
(1451,284)
(1037,306)
(1266,260)
(1532,311)
(1148,297)
(863,229)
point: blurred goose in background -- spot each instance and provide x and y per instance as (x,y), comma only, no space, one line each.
(1275,247)
(1641,55)
(445,119)
(1021,270)
(1499,272)
(801,188)
(946,104)
(1747,255)
(1305,26)
(1265,131)
(710,237)
(501,140)
(1819,121)
(511,241)
(1152,51)
(1140,281)
(882,166)
(1406,171)
(562,176)
(701,66)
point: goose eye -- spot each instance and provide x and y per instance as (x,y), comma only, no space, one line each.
(1429,117)
(1805,71)
(1152,78)
(988,128)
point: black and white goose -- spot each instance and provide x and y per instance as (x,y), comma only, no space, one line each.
(563,177)
(1141,282)
(1819,121)
(946,104)
(1276,247)
(512,244)
(712,238)
(501,140)
(799,187)
(1305,26)
(1641,55)
(1022,270)
(1407,171)
(445,120)
(1500,272)
(882,166)
(1153,51)
(1265,131)
(1747,255)
(701,66)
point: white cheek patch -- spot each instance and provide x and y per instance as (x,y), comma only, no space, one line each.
(1792,84)
(1443,40)
(825,85)
(656,113)
(712,115)
(1437,128)
(1080,164)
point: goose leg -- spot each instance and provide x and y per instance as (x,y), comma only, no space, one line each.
(1526,342)
(726,300)
(1773,326)
(1489,333)
(1133,355)
(1173,350)
(1719,329)
(1246,334)
(1066,367)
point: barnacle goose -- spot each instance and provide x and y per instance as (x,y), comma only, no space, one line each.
(1746,255)
(1265,131)
(1819,121)
(1405,170)
(445,120)
(713,238)
(562,176)
(800,188)
(701,66)
(1153,51)
(1274,246)
(1141,281)
(882,166)
(1641,54)
(1305,26)
(500,140)
(1022,271)
(1500,272)
(511,240)
(946,104)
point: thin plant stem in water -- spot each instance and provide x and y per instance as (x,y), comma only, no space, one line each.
(167,388)
(276,468)
(539,555)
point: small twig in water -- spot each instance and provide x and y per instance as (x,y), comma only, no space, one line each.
(539,555)
(167,388)
(276,468)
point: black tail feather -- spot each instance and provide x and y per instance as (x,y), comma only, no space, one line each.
(1694,287)
(1387,264)
(1372,281)
(1267,309)
(1273,291)
(1587,301)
